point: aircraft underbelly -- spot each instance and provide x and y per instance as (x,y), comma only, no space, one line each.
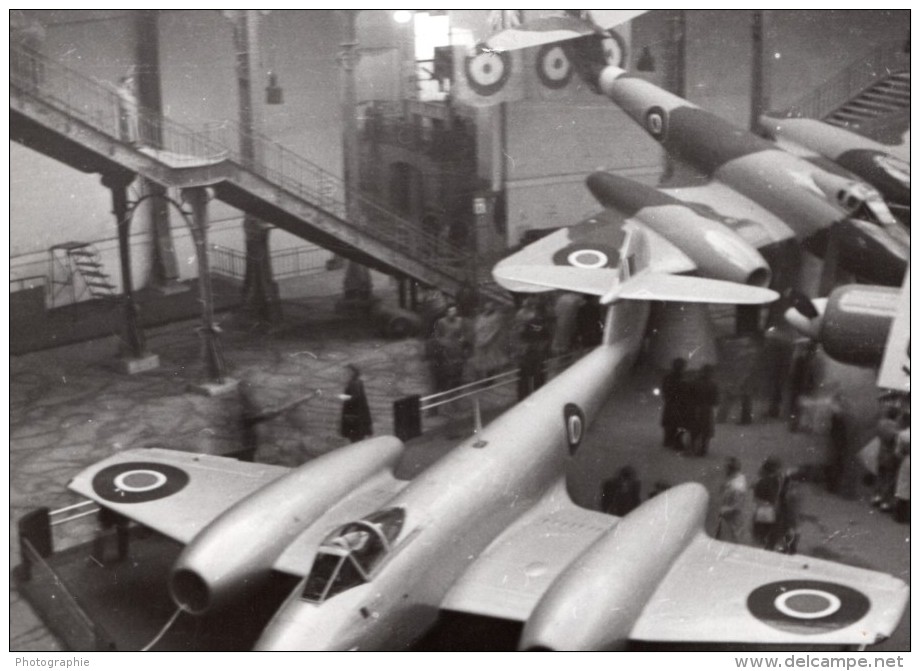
(783,185)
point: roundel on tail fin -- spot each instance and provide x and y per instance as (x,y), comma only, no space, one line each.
(488,71)
(656,122)
(574,426)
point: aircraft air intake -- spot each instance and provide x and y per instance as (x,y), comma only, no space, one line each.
(190,591)
(237,551)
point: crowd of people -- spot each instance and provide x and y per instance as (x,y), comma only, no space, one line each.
(688,411)
(887,458)
(464,343)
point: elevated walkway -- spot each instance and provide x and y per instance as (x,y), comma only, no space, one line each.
(82,123)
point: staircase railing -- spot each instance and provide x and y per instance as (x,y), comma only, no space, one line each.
(99,105)
(846,84)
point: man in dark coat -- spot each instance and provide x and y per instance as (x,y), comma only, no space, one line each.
(674,411)
(356,414)
(704,397)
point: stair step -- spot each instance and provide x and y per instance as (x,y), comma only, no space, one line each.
(83,265)
(883,98)
(873,107)
(100,285)
(94,273)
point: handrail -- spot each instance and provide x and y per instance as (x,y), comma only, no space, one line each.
(101,107)
(857,76)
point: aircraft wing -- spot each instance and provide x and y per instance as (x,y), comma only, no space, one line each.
(511,575)
(584,258)
(178,494)
(551,29)
(725,592)
(174,493)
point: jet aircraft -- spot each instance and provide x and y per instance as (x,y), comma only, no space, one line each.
(489,528)
(840,150)
(767,194)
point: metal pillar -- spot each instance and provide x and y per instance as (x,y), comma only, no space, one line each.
(260,292)
(134,337)
(149,95)
(357,277)
(215,364)
(760,80)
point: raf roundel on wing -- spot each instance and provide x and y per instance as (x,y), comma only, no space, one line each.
(139,482)
(807,606)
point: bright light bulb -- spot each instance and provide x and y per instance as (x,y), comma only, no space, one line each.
(402,16)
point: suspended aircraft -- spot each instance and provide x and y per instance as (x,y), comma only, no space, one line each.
(767,195)
(489,528)
(840,150)
(861,325)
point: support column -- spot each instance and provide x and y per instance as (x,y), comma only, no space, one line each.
(215,365)
(260,291)
(760,63)
(357,283)
(135,359)
(165,268)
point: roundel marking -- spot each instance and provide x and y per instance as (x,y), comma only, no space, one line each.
(656,122)
(807,606)
(138,482)
(586,255)
(614,48)
(574,425)
(553,66)
(487,72)
(587,258)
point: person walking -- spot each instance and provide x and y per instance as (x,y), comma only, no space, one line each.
(128,126)
(674,409)
(453,345)
(533,338)
(489,341)
(621,494)
(703,399)
(732,496)
(356,413)
(765,527)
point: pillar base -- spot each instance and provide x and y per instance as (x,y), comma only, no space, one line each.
(135,365)
(228,386)
(171,287)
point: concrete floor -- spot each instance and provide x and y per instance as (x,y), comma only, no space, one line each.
(69,408)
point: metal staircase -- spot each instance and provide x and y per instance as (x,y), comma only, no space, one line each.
(875,84)
(890,95)
(78,266)
(74,119)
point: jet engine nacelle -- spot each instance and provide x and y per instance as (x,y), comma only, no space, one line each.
(717,251)
(595,602)
(235,552)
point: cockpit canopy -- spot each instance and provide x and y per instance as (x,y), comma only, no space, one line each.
(349,555)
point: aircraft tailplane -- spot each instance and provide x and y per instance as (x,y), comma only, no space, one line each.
(652,286)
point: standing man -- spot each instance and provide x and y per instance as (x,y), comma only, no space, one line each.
(704,399)
(674,411)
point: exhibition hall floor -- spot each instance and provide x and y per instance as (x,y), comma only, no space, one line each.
(69,407)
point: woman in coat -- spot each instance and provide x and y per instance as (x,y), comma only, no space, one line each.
(356,414)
